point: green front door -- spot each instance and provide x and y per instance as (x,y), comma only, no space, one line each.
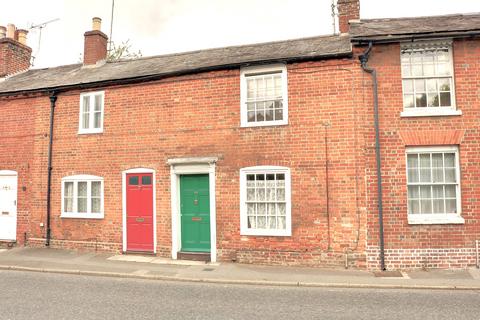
(195,213)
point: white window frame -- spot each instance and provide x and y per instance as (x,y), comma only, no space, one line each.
(254,70)
(90,128)
(244,230)
(83,215)
(449,218)
(431,111)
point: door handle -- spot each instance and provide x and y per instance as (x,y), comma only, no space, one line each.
(15,203)
(139,219)
(5,213)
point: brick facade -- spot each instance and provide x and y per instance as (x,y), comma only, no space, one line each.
(328,144)
(149,123)
(437,245)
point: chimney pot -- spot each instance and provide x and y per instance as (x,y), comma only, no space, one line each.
(3,32)
(22,36)
(11,31)
(96,24)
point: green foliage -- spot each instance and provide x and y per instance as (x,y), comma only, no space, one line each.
(122,51)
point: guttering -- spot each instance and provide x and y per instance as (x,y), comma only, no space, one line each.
(53,99)
(363,60)
(394,38)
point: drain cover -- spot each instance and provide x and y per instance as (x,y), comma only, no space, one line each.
(388,274)
(208,269)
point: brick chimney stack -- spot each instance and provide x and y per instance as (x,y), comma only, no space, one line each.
(95,47)
(14,53)
(347,10)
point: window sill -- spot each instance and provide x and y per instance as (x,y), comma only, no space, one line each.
(264,124)
(266,233)
(431,219)
(90,131)
(75,215)
(430,112)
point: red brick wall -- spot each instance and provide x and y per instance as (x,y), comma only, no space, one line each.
(14,57)
(199,115)
(17,136)
(95,47)
(413,246)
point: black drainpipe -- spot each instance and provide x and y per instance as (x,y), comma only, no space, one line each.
(364,59)
(53,99)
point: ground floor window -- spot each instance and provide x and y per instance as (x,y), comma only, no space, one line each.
(82,197)
(265,197)
(433,184)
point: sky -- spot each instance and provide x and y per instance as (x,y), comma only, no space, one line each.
(164,26)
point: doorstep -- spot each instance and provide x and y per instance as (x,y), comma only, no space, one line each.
(156,260)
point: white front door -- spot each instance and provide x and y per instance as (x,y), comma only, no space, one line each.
(8,205)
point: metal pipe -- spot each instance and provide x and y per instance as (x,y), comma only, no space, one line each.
(53,99)
(327,194)
(364,59)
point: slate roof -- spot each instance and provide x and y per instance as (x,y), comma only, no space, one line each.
(398,28)
(180,63)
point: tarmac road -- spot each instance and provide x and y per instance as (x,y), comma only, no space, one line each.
(30,295)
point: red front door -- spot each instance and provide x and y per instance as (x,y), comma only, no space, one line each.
(139,212)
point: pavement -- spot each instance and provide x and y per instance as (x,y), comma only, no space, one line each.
(155,268)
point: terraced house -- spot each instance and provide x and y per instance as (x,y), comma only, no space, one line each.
(357,149)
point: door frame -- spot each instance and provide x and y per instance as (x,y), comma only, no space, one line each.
(124,206)
(11,173)
(187,166)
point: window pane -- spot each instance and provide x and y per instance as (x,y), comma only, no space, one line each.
(96,189)
(85,120)
(445,100)
(98,102)
(449,160)
(251,116)
(432,85)
(413,206)
(413,192)
(450,175)
(451,206)
(426,206)
(68,197)
(261,222)
(278,114)
(450,191)
(421,100)
(97,119)
(96,205)
(412,160)
(433,100)
(281,223)
(408,101)
(271,222)
(407,86)
(444,84)
(86,104)
(438,206)
(133,180)
(419,86)
(82,189)
(146,180)
(425,192)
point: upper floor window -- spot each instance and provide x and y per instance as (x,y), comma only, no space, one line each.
(433,183)
(428,83)
(91,112)
(265,201)
(82,197)
(264,96)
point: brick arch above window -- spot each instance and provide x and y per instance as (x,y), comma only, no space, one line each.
(431,137)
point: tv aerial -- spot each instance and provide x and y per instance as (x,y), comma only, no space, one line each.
(39,27)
